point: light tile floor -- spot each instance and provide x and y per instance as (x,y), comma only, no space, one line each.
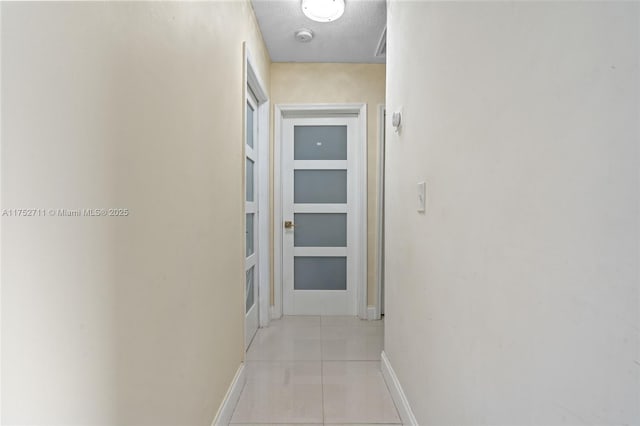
(315,371)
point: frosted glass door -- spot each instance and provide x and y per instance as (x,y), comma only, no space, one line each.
(251,221)
(317,199)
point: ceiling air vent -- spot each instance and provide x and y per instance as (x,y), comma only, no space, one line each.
(381,51)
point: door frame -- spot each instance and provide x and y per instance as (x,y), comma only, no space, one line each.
(358,110)
(253,82)
(381,194)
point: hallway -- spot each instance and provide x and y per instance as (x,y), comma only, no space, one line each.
(316,370)
(175,175)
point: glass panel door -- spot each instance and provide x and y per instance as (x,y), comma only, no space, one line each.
(318,145)
(318,193)
(251,220)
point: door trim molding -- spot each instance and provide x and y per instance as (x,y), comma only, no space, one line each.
(372,313)
(282,111)
(380,242)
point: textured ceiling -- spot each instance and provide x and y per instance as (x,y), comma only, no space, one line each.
(352,38)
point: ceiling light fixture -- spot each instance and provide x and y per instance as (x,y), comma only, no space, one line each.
(323,10)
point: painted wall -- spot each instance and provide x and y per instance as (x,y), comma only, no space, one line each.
(514,299)
(297,83)
(117,320)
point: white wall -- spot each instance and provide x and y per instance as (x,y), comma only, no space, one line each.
(514,300)
(119,321)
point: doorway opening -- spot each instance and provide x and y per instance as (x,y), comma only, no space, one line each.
(320,223)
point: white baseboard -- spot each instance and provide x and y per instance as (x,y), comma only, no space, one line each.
(274,313)
(223,416)
(372,313)
(397,394)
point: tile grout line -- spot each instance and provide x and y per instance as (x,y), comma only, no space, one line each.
(323,359)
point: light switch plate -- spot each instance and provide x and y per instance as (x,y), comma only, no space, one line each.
(422,197)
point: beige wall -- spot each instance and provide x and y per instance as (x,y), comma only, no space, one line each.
(118,321)
(514,299)
(340,83)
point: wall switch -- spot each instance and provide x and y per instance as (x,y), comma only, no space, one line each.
(422,197)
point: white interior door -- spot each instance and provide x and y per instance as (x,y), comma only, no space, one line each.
(320,226)
(251,220)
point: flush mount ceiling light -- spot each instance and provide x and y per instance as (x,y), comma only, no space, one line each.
(323,10)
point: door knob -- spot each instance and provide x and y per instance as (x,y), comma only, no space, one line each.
(288,224)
